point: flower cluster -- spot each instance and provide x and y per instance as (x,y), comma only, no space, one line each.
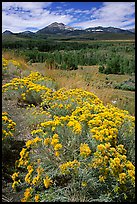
(8,126)
(27,195)
(84,150)
(29,88)
(112,162)
(6,62)
(47,182)
(63,102)
(9,66)
(15,179)
(68,166)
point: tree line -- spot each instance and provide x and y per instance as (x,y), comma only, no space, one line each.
(112,58)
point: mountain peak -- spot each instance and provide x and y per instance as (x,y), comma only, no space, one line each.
(55,28)
(56,24)
(7,32)
(61,26)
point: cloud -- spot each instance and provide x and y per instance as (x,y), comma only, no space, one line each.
(116,14)
(25,5)
(18,16)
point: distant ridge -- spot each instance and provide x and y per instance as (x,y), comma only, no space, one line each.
(132,30)
(107,30)
(60,28)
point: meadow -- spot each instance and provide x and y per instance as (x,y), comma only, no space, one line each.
(68,135)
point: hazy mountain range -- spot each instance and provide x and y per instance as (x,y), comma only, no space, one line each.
(62,29)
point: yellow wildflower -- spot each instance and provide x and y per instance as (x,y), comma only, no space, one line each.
(56,153)
(55,136)
(27,193)
(84,183)
(47,182)
(102,178)
(37,139)
(84,150)
(77,128)
(47,141)
(14,176)
(130,166)
(14,185)
(27,178)
(35,180)
(122,178)
(54,141)
(28,143)
(57,146)
(101,147)
(37,197)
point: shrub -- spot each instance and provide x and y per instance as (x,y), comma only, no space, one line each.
(8,127)
(10,67)
(79,153)
(29,89)
(8,130)
(127,85)
(101,68)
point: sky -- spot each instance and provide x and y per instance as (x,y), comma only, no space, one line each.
(33,16)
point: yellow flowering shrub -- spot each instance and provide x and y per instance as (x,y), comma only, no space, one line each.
(112,162)
(63,102)
(10,67)
(79,149)
(8,139)
(29,88)
(8,126)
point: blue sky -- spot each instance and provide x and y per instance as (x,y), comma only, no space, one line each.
(33,16)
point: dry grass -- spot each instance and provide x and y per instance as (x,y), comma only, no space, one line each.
(89,79)
(10,55)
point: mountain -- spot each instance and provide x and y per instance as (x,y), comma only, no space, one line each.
(7,32)
(107,30)
(55,28)
(60,30)
(60,26)
(26,34)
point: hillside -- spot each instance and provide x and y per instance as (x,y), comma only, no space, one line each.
(66,139)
